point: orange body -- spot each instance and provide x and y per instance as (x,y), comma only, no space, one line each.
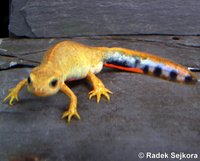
(69,60)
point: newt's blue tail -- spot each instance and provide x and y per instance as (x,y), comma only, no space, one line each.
(141,62)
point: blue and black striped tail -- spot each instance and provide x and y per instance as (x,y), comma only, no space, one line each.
(145,63)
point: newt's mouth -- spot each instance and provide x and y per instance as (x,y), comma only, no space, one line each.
(38,92)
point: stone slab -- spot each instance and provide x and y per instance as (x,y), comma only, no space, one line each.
(144,113)
(65,18)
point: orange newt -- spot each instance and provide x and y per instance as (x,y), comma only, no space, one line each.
(70,60)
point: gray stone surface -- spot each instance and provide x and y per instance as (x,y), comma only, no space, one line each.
(63,18)
(144,114)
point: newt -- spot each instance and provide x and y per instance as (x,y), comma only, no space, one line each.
(68,60)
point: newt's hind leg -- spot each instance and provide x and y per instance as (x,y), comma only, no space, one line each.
(99,88)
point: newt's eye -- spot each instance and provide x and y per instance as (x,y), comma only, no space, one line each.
(54,82)
(29,80)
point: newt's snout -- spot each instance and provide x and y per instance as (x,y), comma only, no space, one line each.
(39,91)
(42,85)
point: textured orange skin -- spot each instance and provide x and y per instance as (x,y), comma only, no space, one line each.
(69,60)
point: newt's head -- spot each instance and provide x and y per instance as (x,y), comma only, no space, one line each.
(43,82)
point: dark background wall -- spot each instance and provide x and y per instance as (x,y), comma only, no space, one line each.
(4,16)
(35,18)
(64,18)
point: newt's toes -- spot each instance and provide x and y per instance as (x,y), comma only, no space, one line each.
(70,114)
(12,96)
(98,92)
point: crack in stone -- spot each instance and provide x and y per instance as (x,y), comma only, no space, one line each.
(19,58)
(189,46)
(8,55)
(32,52)
(14,65)
(17,63)
(130,38)
(169,44)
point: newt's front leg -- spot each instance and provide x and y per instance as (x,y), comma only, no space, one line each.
(13,92)
(72,111)
(99,88)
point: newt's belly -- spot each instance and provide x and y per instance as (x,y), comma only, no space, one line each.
(77,73)
(80,72)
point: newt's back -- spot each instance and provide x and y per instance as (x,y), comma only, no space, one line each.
(74,60)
